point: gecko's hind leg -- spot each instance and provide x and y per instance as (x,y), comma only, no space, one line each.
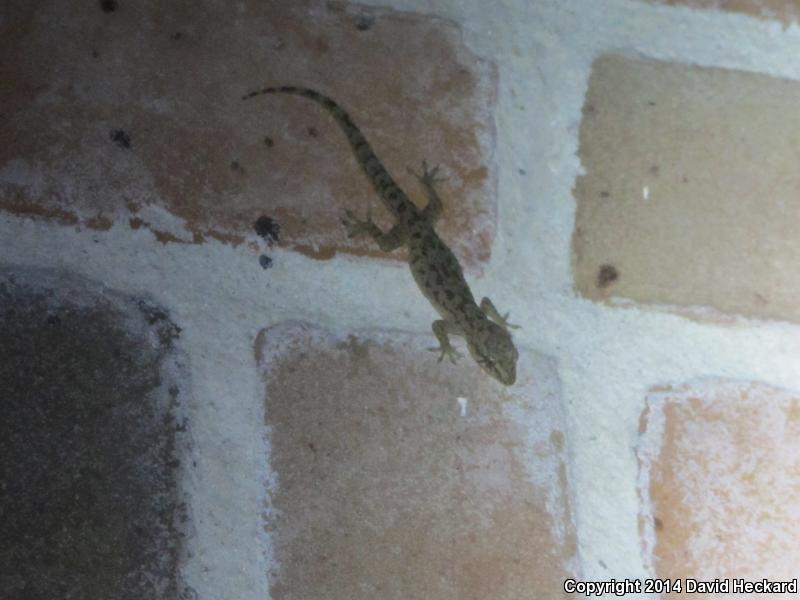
(429,178)
(387,242)
(490,311)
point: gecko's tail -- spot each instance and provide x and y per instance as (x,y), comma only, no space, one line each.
(289,89)
(377,174)
(337,111)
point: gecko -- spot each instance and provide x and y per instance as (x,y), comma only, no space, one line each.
(434,267)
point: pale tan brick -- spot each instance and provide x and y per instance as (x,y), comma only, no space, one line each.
(386,489)
(171,77)
(690,196)
(720,475)
(782,10)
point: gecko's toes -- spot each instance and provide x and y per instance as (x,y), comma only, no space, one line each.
(508,325)
(441,353)
(430,177)
(447,351)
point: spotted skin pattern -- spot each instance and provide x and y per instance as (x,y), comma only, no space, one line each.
(434,266)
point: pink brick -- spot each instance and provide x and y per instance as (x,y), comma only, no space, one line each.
(388,487)
(782,10)
(719,479)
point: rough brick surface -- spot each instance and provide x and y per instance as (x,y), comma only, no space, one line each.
(690,196)
(782,10)
(134,115)
(399,477)
(90,440)
(720,472)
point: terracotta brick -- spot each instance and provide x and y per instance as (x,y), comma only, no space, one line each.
(719,478)
(690,196)
(136,115)
(389,486)
(786,11)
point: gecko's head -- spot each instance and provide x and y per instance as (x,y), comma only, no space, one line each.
(492,348)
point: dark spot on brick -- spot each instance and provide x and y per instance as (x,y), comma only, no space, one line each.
(320,44)
(95,53)
(121,138)
(177,36)
(364,21)
(268,142)
(604,194)
(651,103)
(655,169)
(267,229)
(265,261)
(312,131)
(607,275)
(108,5)
(236,167)
(658,523)
(685,179)
(589,109)
(522,171)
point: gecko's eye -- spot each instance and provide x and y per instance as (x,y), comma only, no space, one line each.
(486,363)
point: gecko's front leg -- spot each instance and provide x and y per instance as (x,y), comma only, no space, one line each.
(387,242)
(441,329)
(490,311)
